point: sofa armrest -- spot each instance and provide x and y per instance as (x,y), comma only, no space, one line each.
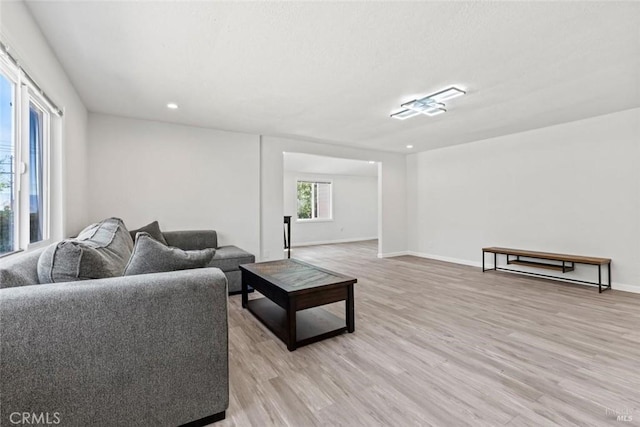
(192,239)
(140,350)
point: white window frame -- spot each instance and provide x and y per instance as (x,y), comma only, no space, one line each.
(24,95)
(12,73)
(40,103)
(320,181)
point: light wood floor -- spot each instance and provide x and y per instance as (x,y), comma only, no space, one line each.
(445,345)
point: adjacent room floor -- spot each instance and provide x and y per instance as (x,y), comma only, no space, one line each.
(443,344)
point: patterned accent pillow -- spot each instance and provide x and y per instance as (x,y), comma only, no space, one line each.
(151,256)
(100,250)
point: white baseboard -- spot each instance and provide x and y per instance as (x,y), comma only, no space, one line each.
(331,242)
(625,288)
(393,254)
(446,259)
(615,286)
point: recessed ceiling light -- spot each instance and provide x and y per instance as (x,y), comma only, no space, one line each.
(172,106)
(371,162)
(409,147)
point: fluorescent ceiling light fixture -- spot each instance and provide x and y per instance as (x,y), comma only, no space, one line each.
(430,105)
(409,147)
(371,162)
(172,106)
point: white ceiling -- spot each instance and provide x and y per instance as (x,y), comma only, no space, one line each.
(313,164)
(334,71)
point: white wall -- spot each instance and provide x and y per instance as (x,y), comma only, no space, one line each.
(69,204)
(355,209)
(392,212)
(571,188)
(189,177)
(185,177)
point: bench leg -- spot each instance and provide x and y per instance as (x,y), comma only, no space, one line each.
(483,270)
(599,278)
(349,310)
(600,289)
(495,261)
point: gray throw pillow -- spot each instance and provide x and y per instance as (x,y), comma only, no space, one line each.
(151,256)
(100,250)
(153,229)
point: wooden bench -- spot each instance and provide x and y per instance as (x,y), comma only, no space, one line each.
(560,262)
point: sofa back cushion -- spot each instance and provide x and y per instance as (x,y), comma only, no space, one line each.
(20,269)
(190,240)
(101,250)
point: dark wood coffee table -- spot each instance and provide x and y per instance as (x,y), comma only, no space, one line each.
(293,291)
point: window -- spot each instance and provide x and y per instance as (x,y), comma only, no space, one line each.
(7,155)
(36,173)
(24,161)
(314,200)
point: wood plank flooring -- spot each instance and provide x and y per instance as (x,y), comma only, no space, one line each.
(444,345)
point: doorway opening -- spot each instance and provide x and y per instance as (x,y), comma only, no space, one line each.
(329,200)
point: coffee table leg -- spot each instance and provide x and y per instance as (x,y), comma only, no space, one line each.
(245,293)
(291,323)
(350,315)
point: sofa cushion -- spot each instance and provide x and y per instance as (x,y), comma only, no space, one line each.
(153,229)
(192,239)
(151,256)
(20,269)
(229,258)
(101,250)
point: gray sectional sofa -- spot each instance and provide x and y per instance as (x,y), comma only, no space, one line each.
(227,258)
(143,350)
